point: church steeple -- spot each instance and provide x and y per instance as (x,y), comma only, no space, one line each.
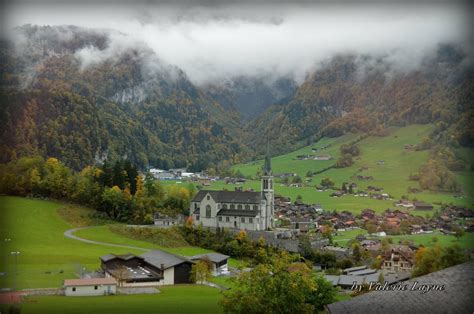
(267,193)
(267,166)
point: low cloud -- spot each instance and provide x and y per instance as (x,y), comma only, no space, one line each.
(214,43)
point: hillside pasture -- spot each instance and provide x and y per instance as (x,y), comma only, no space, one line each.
(46,257)
(383,158)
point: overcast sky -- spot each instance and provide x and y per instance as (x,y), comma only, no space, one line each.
(213,42)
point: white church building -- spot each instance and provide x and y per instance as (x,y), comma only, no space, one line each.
(236,209)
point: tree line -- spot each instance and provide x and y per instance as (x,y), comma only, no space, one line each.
(115,189)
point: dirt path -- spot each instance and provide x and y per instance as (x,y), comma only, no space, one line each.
(69,234)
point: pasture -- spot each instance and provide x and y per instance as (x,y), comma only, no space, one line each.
(198,299)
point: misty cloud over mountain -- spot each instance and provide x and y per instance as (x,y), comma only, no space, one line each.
(212,43)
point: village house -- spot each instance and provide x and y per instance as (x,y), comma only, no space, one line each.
(404,203)
(302,224)
(90,287)
(236,209)
(164,221)
(422,206)
(397,260)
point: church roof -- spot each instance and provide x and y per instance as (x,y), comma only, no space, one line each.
(230,196)
(238,212)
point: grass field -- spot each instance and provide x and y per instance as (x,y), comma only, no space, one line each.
(466,241)
(175,299)
(46,257)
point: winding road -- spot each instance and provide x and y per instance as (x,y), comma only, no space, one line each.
(69,234)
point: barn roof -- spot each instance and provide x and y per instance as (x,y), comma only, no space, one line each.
(156,258)
(213,257)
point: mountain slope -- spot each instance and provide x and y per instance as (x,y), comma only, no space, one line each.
(125,105)
(366,94)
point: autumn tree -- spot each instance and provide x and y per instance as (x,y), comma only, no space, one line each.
(200,271)
(281,286)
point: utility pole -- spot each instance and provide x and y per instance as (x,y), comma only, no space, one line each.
(15,253)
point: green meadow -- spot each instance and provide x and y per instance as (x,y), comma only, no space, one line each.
(36,229)
(392,174)
(172,299)
(46,257)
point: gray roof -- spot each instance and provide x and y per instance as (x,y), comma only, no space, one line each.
(349,270)
(238,212)
(363,272)
(157,257)
(349,280)
(110,257)
(213,257)
(334,279)
(230,196)
(457,297)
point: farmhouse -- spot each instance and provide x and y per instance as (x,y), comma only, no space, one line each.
(322,157)
(150,269)
(236,209)
(90,287)
(423,206)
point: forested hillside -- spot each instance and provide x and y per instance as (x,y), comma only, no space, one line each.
(76,95)
(366,94)
(128,104)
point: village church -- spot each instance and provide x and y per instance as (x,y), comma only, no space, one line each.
(237,209)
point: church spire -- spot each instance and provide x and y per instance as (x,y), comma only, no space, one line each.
(267,166)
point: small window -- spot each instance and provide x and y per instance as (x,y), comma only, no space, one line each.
(247,207)
(220,218)
(208,197)
(250,220)
(255,207)
(208,211)
(96,287)
(239,206)
(232,206)
(73,288)
(197,217)
(227,219)
(195,205)
(242,219)
(224,206)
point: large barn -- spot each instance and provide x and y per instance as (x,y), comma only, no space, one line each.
(150,269)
